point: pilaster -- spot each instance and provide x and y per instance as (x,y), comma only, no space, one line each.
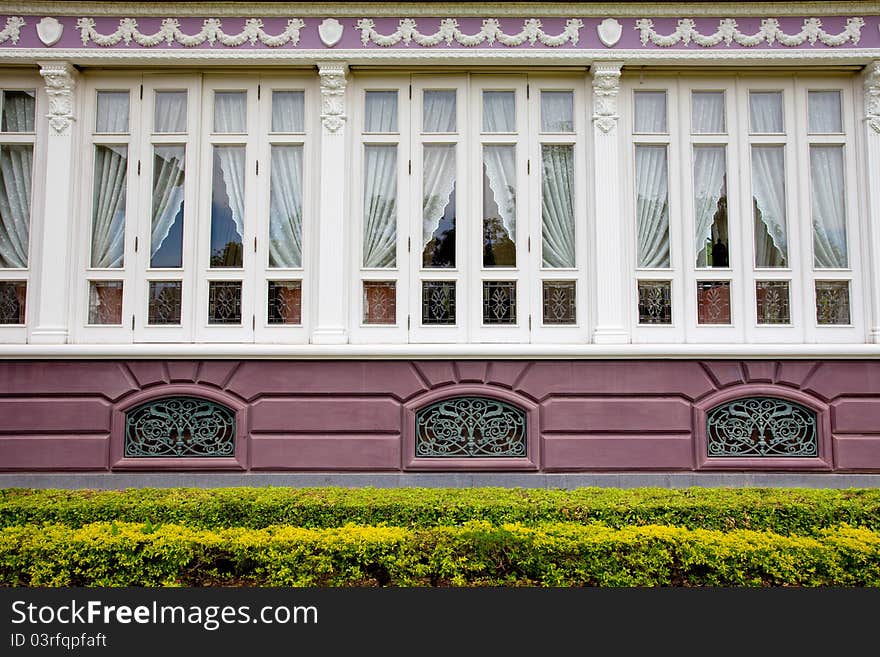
(872,173)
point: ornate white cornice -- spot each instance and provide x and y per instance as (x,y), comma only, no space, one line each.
(872,96)
(429,9)
(170,32)
(770,33)
(606,87)
(60,79)
(12,31)
(333,82)
(449,33)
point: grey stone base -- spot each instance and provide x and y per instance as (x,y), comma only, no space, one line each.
(117,480)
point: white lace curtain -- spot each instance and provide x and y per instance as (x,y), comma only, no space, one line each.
(380,206)
(19,108)
(710,168)
(438,181)
(557,206)
(285,207)
(230,115)
(652,206)
(707,112)
(288,111)
(380,111)
(15,204)
(650,111)
(108,206)
(557,111)
(768,189)
(168,187)
(829,206)
(500,162)
(765,111)
(438,113)
(170,112)
(499,111)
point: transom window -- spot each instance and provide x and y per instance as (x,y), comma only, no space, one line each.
(472,221)
(198,208)
(743,210)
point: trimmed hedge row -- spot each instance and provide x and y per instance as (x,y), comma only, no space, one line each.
(475,554)
(784,511)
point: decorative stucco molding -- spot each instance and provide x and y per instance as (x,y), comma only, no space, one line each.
(770,32)
(449,32)
(12,31)
(872,96)
(170,32)
(606,87)
(333,82)
(60,79)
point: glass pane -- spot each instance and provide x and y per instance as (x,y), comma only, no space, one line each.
(230,111)
(438,302)
(19,108)
(170,112)
(652,206)
(380,206)
(710,206)
(707,112)
(166,232)
(557,111)
(713,302)
(108,206)
(112,114)
(771,298)
(438,111)
(105,302)
(381,111)
(286,206)
(499,206)
(650,111)
(16,163)
(499,111)
(823,110)
(164,302)
(832,302)
(560,302)
(13,295)
(380,302)
(438,205)
(768,191)
(499,302)
(557,206)
(765,111)
(224,302)
(288,111)
(655,302)
(827,192)
(285,302)
(227,206)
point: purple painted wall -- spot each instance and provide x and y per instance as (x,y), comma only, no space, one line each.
(356,415)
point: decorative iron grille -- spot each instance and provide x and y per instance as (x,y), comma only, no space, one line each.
(761,426)
(179,427)
(470,427)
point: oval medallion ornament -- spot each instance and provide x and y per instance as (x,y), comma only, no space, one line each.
(330,31)
(49,30)
(610,31)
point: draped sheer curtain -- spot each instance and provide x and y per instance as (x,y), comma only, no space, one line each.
(168,191)
(829,206)
(500,163)
(439,111)
(169,115)
(288,111)
(557,206)
(108,206)
(710,170)
(499,111)
(438,183)
(768,189)
(285,206)
(16,163)
(707,112)
(380,206)
(230,116)
(652,206)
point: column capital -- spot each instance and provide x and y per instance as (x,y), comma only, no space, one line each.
(606,87)
(333,82)
(60,79)
(872,95)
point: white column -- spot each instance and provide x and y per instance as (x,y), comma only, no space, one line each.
(871,176)
(53,277)
(332,269)
(612,274)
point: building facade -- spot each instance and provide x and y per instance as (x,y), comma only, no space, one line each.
(447,237)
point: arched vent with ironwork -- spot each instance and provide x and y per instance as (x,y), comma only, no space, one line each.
(470,427)
(179,427)
(761,426)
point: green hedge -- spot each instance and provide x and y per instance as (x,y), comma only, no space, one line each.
(475,554)
(792,511)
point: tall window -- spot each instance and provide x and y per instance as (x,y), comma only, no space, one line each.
(753,246)
(17,140)
(197,209)
(471,219)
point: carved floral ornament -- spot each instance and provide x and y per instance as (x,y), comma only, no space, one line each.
(770,32)
(333,84)
(449,32)
(170,32)
(872,96)
(606,87)
(60,82)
